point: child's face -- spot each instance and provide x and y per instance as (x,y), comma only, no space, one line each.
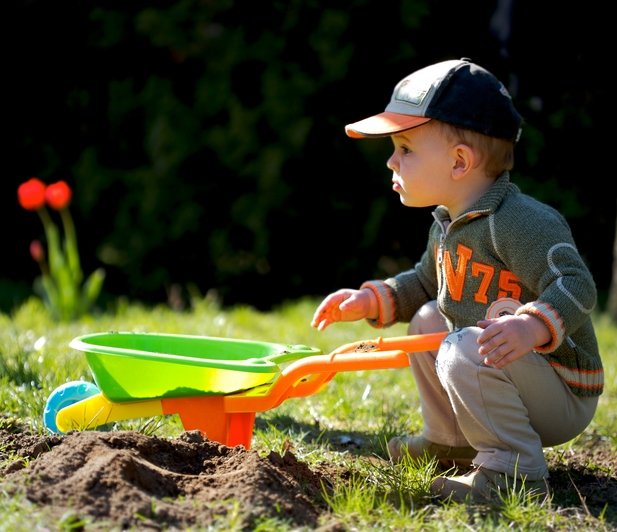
(421,165)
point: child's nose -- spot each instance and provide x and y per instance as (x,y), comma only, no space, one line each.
(392,163)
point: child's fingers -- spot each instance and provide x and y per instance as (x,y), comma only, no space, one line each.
(325,315)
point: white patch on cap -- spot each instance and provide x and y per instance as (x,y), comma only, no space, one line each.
(408,93)
(412,95)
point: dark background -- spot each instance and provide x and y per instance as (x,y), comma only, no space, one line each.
(204,139)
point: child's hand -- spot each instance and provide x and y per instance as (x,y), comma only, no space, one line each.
(508,338)
(345,305)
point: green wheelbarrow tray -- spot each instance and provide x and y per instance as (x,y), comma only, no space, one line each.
(227,418)
(129,366)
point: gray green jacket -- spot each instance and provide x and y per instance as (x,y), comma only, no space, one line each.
(507,245)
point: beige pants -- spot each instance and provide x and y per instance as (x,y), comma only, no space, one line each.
(508,415)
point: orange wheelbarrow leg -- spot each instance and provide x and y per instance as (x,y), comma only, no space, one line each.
(207,414)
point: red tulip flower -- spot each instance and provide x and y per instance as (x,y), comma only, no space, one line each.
(58,195)
(31,194)
(61,285)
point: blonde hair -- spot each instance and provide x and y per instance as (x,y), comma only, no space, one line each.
(495,155)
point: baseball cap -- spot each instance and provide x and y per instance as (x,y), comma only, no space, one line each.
(458,92)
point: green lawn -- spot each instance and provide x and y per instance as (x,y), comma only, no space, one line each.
(343,425)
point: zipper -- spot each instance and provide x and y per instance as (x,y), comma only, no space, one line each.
(440,248)
(442,239)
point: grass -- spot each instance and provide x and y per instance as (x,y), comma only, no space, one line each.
(345,425)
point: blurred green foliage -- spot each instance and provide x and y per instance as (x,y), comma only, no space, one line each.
(205,138)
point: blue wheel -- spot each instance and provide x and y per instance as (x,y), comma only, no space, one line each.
(63,396)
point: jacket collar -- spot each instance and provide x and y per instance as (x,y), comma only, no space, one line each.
(487,204)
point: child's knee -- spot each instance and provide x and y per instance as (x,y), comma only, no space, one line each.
(458,352)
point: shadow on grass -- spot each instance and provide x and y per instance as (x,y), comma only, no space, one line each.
(357,443)
(583,479)
(586,477)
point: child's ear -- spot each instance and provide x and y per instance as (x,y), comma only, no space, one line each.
(464,160)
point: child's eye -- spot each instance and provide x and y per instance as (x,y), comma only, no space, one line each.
(405,150)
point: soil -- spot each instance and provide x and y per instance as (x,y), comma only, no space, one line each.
(129,480)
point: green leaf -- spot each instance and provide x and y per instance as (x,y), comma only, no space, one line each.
(70,247)
(92,288)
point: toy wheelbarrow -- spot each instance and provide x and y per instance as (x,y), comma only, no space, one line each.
(215,385)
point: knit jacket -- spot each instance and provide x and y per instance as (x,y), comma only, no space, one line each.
(506,245)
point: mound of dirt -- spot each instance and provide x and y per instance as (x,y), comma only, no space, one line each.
(129,479)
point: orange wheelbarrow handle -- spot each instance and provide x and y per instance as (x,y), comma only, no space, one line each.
(310,374)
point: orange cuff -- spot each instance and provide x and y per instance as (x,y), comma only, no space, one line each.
(385,303)
(549,316)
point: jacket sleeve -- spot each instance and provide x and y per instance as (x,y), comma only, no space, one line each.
(541,251)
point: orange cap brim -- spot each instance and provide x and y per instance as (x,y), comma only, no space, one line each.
(383,125)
